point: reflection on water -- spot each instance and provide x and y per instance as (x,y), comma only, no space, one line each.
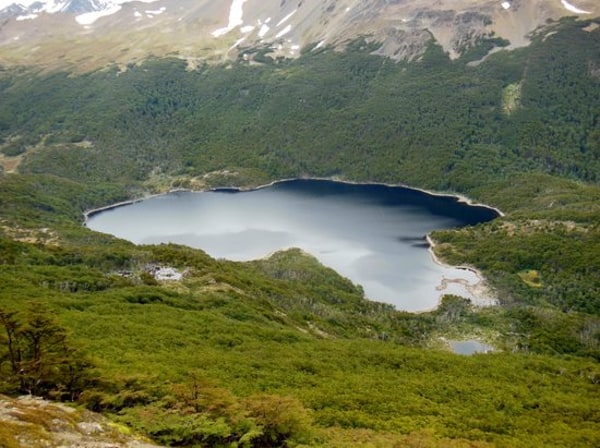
(372,234)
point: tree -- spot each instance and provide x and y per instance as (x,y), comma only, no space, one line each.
(39,358)
(11,326)
(282,420)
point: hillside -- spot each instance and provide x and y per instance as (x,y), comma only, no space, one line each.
(283,351)
(89,35)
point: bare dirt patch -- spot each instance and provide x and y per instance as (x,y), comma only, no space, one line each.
(33,236)
(10,164)
(531,278)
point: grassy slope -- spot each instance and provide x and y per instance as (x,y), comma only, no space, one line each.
(243,338)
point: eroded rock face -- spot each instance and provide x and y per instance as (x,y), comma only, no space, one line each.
(98,33)
(31,422)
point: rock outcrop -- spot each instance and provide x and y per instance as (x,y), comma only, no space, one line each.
(31,422)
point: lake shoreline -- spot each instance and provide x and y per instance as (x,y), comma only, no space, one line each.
(459,197)
(94,211)
(479,290)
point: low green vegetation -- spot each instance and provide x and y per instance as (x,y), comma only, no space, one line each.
(282,351)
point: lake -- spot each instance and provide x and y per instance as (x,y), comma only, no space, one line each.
(373,234)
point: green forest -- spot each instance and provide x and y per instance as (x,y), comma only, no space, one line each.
(284,351)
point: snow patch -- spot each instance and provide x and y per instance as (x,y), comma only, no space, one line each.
(320,44)
(156,11)
(573,8)
(54,6)
(237,42)
(90,17)
(137,14)
(105,8)
(506,5)
(27,17)
(284,31)
(286,18)
(220,32)
(264,29)
(236,18)
(247,29)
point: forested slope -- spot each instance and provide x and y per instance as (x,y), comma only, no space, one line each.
(436,123)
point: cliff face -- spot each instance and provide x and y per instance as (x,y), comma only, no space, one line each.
(32,422)
(122,32)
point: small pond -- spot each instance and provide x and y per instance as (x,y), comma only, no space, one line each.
(470,347)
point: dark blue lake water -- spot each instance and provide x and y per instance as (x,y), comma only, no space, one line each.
(372,234)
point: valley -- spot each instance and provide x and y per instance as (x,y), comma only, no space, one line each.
(283,351)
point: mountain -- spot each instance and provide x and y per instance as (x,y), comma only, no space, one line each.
(86,34)
(53,7)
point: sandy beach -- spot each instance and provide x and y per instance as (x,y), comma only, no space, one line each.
(469,282)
